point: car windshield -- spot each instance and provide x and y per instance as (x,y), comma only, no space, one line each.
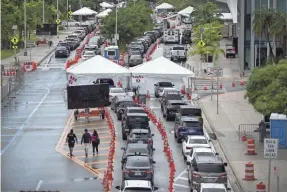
(191,123)
(140,119)
(61,48)
(77,31)
(137,189)
(197,141)
(135,43)
(135,57)
(210,167)
(176,104)
(209,154)
(191,112)
(117,90)
(126,103)
(140,135)
(138,162)
(135,53)
(136,111)
(173,97)
(165,84)
(109,81)
(178,48)
(132,150)
(89,53)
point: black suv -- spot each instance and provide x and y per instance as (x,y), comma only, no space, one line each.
(138,168)
(167,96)
(206,169)
(171,108)
(134,121)
(121,106)
(117,98)
(141,136)
(132,110)
(189,110)
(159,87)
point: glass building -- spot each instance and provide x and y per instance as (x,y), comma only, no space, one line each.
(251,47)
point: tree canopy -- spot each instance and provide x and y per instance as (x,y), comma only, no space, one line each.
(133,21)
(267,88)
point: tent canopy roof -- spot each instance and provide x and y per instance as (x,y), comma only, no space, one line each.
(106,5)
(186,11)
(164,6)
(161,67)
(104,13)
(84,11)
(98,66)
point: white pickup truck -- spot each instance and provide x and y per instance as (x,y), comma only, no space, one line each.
(178,53)
(171,36)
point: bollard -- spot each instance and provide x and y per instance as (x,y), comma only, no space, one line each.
(249,172)
(233,84)
(251,147)
(260,187)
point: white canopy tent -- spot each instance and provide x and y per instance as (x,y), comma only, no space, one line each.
(186,12)
(98,66)
(84,11)
(164,6)
(106,5)
(104,13)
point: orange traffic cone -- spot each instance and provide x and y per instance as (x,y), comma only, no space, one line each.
(195,88)
(220,86)
(119,84)
(182,89)
(205,88)
(233,84)
(241,82)
(147,95)
(243,138)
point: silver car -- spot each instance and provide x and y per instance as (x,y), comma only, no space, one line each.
(135,60)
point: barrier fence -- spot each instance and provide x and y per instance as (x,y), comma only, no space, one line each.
(11,84)
(248,131)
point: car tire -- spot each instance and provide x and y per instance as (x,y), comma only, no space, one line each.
(156,95)
(178,140)
(167,118)
(124,136)
(119,117)
(77,25)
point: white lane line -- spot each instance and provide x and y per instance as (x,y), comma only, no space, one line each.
(184,178)
(25,123)
(179,176)
(183,186)
(39,185)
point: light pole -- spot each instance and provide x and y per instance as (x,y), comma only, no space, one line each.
(57,18)
(25,30)
(43,11)
(67,14)
(116,30)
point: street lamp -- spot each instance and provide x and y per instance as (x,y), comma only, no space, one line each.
(116,30)
(25,29)
(57,18)
(43,11)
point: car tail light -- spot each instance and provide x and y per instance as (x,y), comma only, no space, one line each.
(188,147)
(148,171)
(223,176)
(126,171)
(195,175)
(233,49)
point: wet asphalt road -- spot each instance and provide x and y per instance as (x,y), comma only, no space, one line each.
(32,123)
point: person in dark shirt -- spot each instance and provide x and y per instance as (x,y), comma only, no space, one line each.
(86,138)
(95,142)
(102,114)
(71,139)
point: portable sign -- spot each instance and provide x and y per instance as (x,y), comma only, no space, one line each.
(218,72)
(201,43)
(58,21)
(14,40)
(137,79)
(72,79)
(270,148)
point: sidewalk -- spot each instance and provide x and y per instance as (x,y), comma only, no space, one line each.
(233,111)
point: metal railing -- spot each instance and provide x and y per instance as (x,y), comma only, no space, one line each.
(11,84)
(249,130)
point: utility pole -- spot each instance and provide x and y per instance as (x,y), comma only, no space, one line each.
(67,14)
(43,11)
(25,29)
(57,18)
(116,30)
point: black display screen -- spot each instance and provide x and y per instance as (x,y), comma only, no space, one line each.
(88,96)
(46,29)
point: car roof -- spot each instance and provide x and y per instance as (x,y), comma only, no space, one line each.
(116,88)
(128,108)
(140,131)
(202,149)
(137,183)
(188,118)
(196,137)
(213,185)
(190,106)
(208,159)
(137,145)
(137,114)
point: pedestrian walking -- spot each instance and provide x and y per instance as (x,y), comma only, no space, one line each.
(102,114)
(71,140)
(95,142)
(86,138)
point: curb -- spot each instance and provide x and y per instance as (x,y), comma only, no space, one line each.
(45,57)
(238,185)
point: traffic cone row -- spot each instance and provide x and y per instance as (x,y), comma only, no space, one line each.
(9,73)
(108,176)
(166,149)
(241,83)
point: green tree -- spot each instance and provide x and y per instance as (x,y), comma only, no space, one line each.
(267,88)
(133,21)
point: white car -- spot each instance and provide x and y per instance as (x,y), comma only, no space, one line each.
(193,141)
(88,55)
(207,187)
(115,92)
(136,185)
(200,151)
(71,22)
(166,89)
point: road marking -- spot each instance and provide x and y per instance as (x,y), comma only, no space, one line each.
(97,162)
(97,128)
(87,124)
(25,122)
(179,185)
(183,178)
(105,154)
(103,148)
(39,185)
(179,176)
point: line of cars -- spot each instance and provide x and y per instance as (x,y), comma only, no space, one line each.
(137,159)
(206,169)
(140,45)
(74,40)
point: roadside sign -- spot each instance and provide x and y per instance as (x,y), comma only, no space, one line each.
(201,43)
(14,47)
(14,40)
(218,72)
(58,21)
(70,13)
(201,30)
(270,148)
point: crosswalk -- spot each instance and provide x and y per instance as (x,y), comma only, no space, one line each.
(205,85)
